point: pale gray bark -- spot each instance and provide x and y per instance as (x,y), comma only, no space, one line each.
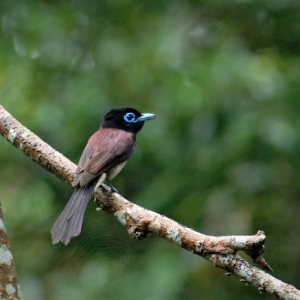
(9,285)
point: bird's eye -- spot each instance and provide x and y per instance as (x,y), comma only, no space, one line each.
(129,117)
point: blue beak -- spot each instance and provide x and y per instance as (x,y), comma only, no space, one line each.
(145,117)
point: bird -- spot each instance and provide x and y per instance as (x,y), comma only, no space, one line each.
(104,156)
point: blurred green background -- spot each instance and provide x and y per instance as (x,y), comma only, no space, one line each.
(222,157)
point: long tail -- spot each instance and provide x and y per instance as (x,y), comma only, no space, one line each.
(69,222)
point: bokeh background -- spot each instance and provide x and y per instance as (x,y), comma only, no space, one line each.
(222,157)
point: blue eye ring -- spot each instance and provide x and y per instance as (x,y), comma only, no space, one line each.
(129,117)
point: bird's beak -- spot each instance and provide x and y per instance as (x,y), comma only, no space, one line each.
(146,117)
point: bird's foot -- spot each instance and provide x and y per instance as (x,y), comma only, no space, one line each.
(112,189)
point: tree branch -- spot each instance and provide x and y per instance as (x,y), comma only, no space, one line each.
(138,221)
(9,286)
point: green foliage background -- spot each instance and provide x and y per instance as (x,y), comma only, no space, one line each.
(222,157)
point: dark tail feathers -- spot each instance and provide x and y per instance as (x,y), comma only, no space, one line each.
(69,222)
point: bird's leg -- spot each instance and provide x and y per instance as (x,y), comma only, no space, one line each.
(112,188)
(100,181)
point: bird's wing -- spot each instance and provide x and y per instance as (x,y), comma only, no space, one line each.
(105,149)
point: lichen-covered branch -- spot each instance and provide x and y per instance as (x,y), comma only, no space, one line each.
(9,286)
(139,221)
(248,274)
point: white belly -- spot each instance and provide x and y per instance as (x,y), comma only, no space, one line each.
(115,170)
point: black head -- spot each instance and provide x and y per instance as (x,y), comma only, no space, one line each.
(126,118)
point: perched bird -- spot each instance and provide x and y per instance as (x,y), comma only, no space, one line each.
(104,156)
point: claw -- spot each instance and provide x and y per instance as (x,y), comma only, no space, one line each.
(112,188)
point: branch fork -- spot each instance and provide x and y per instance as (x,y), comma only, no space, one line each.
(139,222)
